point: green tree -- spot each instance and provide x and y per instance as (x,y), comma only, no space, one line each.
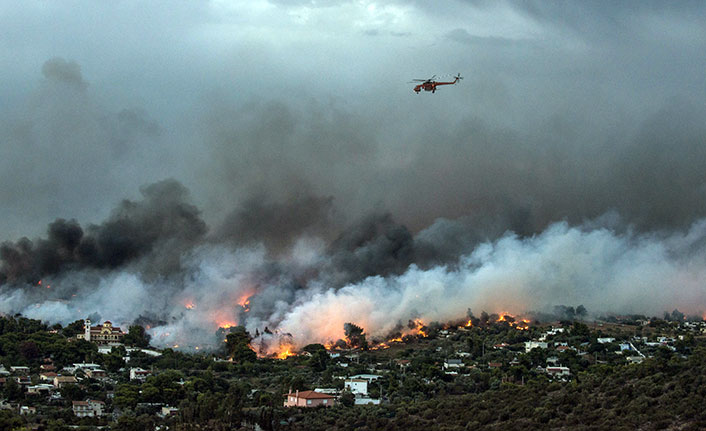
(137,336)
(347,399)
(238,345)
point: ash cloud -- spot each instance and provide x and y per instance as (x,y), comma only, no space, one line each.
(155,230)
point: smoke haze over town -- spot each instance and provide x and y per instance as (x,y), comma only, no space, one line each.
(266,164)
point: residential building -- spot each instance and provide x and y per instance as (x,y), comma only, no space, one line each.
(28,410)
(96,373)
(558,371)
(61,381)
(19,370)
(168,411)
(308,399)
(89,408)
(453,363)
(42,389)
(139,374)
(529,345)
(368,377)
(47,376)
(357,386)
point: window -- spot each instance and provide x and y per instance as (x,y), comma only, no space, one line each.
(308,402)
(325,401)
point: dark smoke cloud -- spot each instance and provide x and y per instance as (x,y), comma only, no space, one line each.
(277,224)
(158,230)
(376,245)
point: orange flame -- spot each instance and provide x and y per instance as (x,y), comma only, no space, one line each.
(226,324)
(190,305)
(419,328)
(285,351)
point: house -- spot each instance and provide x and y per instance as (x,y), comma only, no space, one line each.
(529,345)
(168,411)
(402,363)
(308,399)
(61,381)
(3,371)
(558,371)
(28,410)
(42,389)
(47,376)
(605,340)
(101,334)
(23,380)
(495,364)
(96,373)
(328,391)
(453,363)
(19,370)
(139,374)
(47,367)
(89,408)
(368,377)
(357,386)
(86,366)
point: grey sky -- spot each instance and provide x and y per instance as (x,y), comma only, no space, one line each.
(567,110)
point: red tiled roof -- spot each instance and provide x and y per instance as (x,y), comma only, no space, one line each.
(310,395)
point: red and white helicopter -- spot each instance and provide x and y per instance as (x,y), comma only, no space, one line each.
(430,84)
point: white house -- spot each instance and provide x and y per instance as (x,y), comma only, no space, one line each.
(357,386)
(368,377)
(529,345)
(453,363)
(139,374)
(88,408)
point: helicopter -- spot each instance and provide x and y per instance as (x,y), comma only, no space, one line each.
(430,84)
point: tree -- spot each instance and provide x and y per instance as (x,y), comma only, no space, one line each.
(72,329)
(355,335)
(238,345)
(29,350)
(137,336)
(347,399)
(12,390)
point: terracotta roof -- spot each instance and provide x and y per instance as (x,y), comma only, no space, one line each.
(65,379)
(309,395)
(80,403)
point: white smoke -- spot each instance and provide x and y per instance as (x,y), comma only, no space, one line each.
(598,268)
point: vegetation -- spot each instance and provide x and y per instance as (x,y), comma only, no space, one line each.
(500,385)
